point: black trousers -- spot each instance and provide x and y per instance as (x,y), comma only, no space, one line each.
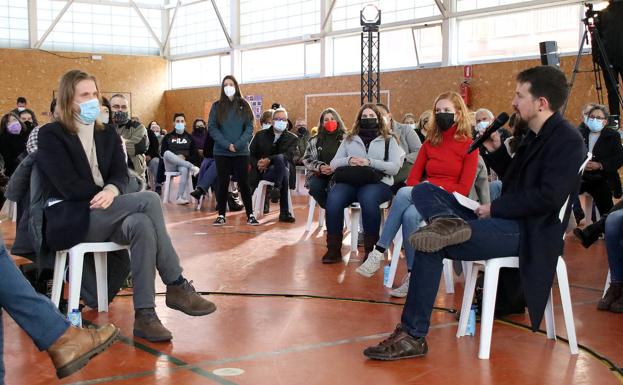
(239,167)
(601,193)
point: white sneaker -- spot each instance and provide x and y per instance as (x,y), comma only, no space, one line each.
(372,264)
(195,170)
(182,201)
(402,290)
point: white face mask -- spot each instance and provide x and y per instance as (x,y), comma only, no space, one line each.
(280,125)
(411,126)
(230,91)
(266,126)
(20,109)
(104,117)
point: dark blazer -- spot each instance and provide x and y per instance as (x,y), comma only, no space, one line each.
(262,146)
(67,176)
(607,151)
(153,150)
(536,183)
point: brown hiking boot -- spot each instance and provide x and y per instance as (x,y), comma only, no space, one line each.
(184,298)
(440,233)
(147,325)
(77,346)
(334,249)
(613,294)
(397,346)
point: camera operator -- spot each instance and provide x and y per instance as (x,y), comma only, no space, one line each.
(610,31)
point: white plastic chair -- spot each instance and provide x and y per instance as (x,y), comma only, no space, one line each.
(259,195)
(607,283)
(448,273)
(310,215)
(491,269)
(76,261)
(166,188)
(353,223)
(300,170)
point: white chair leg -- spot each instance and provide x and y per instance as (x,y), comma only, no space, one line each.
(471,275)
(550,322)
(59,272)
(354,229)
(310,214)
(254,199)
(565,299)
(101,275)
(448,276)
(347,219)
(607,283)
(167,189)
(200,202)
(261,198)
(290,206)
(492,272)
(393,267)
(76,261)
(321,214)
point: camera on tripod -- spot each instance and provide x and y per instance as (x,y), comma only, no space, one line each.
(590,13)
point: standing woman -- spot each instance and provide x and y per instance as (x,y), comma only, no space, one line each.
(364,166)
(231,126)
(320,151)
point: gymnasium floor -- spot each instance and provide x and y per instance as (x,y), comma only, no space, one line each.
(284,318)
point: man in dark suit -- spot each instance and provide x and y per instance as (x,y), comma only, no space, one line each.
(523,221)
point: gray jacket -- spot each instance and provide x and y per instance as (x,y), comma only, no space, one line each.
(480,188)
(408,140)
(376,152)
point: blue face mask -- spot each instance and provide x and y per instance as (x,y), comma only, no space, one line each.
(179,128)
(595,125)
(482,126)
(89,111)
(280,125)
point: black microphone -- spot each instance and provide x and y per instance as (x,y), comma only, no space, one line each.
(493,127)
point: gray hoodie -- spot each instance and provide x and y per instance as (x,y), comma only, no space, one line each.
(376,152)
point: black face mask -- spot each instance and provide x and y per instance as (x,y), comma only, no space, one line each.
(368,124)
(200,128)
(120,117)
(444,120)
(302,130)
(29,125)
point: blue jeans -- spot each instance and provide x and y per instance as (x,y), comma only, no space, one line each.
(614,245)
(402,213)
(32,311)
(495,189)
(318,189)
(369,196)
(491,238)
(207,175)
(278,174)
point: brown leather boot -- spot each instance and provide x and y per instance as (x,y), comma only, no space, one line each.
(147,325)
(440,233)
(614,292)
(73,350)
(368,244)
(184,298)
(334,249)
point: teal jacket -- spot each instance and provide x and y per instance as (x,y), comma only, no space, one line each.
(236,130)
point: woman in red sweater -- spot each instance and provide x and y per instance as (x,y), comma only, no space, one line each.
(442,160)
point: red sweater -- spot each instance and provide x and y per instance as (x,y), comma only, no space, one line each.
(447,165)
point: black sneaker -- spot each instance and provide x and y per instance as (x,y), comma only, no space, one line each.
(220,221)
(198,193)
(397,346)
(286,217)
(274,194)
(251,220)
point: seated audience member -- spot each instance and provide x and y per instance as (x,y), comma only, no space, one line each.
(409,120)
(69,348)
(105,112)
(601,173)
(422,123)
(180,154)
(28,118)
(272,154)
(518,129)
(301,131)
(408,141)
(13,137)
(86,204)
(20,105)
(319,153)
(133,133)
(586,109)
(524,221)
(591,233)
(613,299)
(31,143)
(230,124)
(206,178)
(266,120)
(199,134)
(483,118)
(152,156)
(443,161)
(364,166)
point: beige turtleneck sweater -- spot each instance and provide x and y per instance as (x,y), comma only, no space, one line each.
(85,134)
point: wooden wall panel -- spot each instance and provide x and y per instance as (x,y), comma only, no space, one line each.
(413,91)
(35,75)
